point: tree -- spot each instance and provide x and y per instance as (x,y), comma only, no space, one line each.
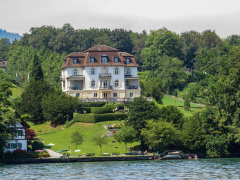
(186,104)
(193,134)
(126,134)
(99,140)
(29,135)
(159,43)
(141,110)
(217,145)
(58,107)
(77,138)
(36,73)
(7,117)
(4,48)
(162,135)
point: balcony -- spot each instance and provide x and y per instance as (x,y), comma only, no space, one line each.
(75,88)
(132,87)
(105,87)
(105,75)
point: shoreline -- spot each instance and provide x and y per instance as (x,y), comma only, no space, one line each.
(71,160)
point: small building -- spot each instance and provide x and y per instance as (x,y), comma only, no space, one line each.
(3,65)
(19,141)
(101,73)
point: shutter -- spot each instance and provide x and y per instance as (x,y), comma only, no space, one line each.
(120,83)
(95,83)
(90,84)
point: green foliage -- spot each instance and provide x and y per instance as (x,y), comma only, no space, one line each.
(186,104)
(86,109)
(126,134)
(217,146)
(37,145)
(36,71)
(58,107)
(4,48)
(93,104)
(101,110)
(99,140)
(162,135)
(77,138)
(93,118)
(31,100)
(193,134)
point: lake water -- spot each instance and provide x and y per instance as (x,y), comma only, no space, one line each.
(167,169)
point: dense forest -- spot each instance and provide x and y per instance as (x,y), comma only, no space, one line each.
(196,66)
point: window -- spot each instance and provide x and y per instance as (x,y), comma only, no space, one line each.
(75,72)
(20,133)
(128,72)
(131,94)
(77,94)
(74,61)
(127,60)
(116,71)
(95,95)
(92,71)
(104,59)
(114,94)
(92,83)
(91,60)
(115,60)
(116,83)
(75,85)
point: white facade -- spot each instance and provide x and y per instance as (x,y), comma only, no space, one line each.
(19,141)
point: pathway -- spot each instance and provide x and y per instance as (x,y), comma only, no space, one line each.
(53,154)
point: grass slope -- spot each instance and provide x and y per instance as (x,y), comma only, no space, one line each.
(16,91)
(62,138)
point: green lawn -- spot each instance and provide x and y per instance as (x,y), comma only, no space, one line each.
(16,91)
(174,102)
(62,138)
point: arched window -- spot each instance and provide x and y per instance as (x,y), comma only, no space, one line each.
(92,71)
(116,83)
(116,71)
(75,72)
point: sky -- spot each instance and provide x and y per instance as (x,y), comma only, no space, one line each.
(223,16)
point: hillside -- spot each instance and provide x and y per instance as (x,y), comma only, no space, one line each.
(10,36)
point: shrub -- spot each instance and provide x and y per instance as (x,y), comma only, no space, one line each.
(69,123)
(87,109)
(90,154)
(94,118)
(93,104)
(101,110)
(37,145)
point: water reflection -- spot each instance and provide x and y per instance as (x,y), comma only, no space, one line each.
(172,169)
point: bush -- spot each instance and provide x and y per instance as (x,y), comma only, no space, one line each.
(69,123)
(101,110)
(93,104)
(90,154)
(87,109)
(94,118)
(37,145)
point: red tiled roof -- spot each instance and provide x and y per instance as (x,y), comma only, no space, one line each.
(101,48)
(96,52)
(3,64)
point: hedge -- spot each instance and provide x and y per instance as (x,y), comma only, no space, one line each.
(87,109)
(93,104)
(94,118)
(101,110)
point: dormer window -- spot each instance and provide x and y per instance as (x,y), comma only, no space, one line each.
(74,61)
(91,60)
(104,58)
(115,60)
(127,60)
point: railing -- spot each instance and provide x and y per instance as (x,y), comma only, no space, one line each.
(105,75)
(131,87)
(105,87)
(62,78)
(76,88)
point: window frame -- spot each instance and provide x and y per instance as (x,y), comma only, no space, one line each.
(92,60)
(95,95)
(116,70)
(116,82)
(127,60)
(104,59)
(115,94)
(128,71)
(116,60)
(92,71)
(75,61)
(93,81)
(131,94)
(75,72)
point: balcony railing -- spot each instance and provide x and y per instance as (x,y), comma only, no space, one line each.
(105,75)
(76,88)
(132,87)
(105,87)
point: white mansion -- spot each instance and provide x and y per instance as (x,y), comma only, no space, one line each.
(101,73)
